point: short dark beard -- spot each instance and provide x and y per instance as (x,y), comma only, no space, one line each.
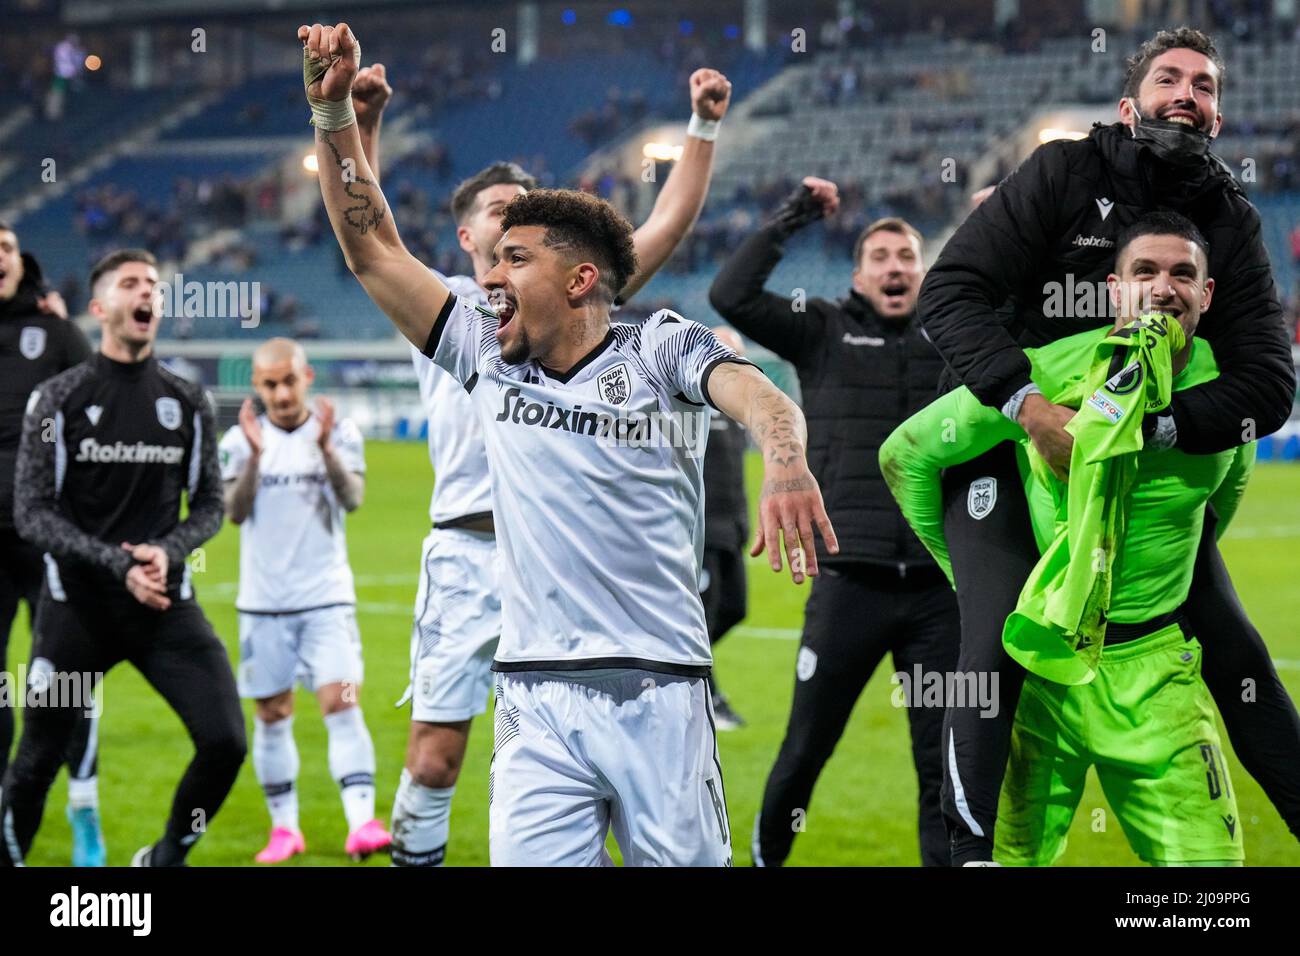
(520,352)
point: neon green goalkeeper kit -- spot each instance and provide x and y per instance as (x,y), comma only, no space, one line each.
(1118,543)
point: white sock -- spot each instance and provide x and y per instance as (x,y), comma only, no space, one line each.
(83,792)
(421,821)
(275,761)
(352,764)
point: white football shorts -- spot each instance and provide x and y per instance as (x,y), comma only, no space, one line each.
(578,753)
(457,626)
(317,647)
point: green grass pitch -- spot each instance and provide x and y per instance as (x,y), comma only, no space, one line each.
(863,811)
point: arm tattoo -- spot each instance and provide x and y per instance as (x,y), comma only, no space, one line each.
(774,428)
(780,487)
(366,214)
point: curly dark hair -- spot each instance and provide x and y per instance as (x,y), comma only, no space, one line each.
(498,174)
(588,227)
(1184,38)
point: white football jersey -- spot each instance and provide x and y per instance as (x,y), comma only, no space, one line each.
(597,484)
(460,470)
(293,553)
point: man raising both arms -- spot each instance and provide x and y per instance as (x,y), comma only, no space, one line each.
(602,715)
(458,604)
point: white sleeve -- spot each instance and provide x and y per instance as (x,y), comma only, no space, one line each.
(349,446)
(462,336)
(683,353)
(233,453)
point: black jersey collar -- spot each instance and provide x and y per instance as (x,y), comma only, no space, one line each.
(124,369)
(565,377)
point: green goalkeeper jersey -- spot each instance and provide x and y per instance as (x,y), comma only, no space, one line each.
(1152,569)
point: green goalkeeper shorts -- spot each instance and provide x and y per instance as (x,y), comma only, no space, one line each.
(1147,723)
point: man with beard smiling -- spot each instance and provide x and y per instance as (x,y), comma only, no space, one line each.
(1053,225)
(864,366)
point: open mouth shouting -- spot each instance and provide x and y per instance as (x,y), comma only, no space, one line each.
(895,294)
(504,306)
(142,318)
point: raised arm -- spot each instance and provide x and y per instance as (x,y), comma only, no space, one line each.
(791,503)
(738,292)
(682,196)
(407,292)
(370,94)
(947,432)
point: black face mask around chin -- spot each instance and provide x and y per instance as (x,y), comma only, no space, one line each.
(1175,143)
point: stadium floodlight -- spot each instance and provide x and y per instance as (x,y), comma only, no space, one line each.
(309,163)
(662,152)
(1049,133)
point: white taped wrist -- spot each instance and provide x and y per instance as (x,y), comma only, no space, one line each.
(1012,408)
(706,130)
(1166,434)
(328,115)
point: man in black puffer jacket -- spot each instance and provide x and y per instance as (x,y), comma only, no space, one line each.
(1023,270)
(864,366)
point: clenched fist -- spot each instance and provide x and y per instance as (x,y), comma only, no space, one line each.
(333,57)
(710,94)
(371,93)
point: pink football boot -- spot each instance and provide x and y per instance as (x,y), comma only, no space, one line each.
(283,844)
(366,839)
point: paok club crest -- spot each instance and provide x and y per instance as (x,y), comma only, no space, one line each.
(615,385)
(981,498)
(31,342)
(169,413)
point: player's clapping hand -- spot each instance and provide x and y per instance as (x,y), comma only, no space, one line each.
(337,47)
(325,414)
(710,94)
(251,427)
(147,579)
(370,93)
(790,507)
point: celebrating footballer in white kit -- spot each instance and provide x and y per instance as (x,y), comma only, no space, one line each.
(290,476)
(594,435)
(458,606)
